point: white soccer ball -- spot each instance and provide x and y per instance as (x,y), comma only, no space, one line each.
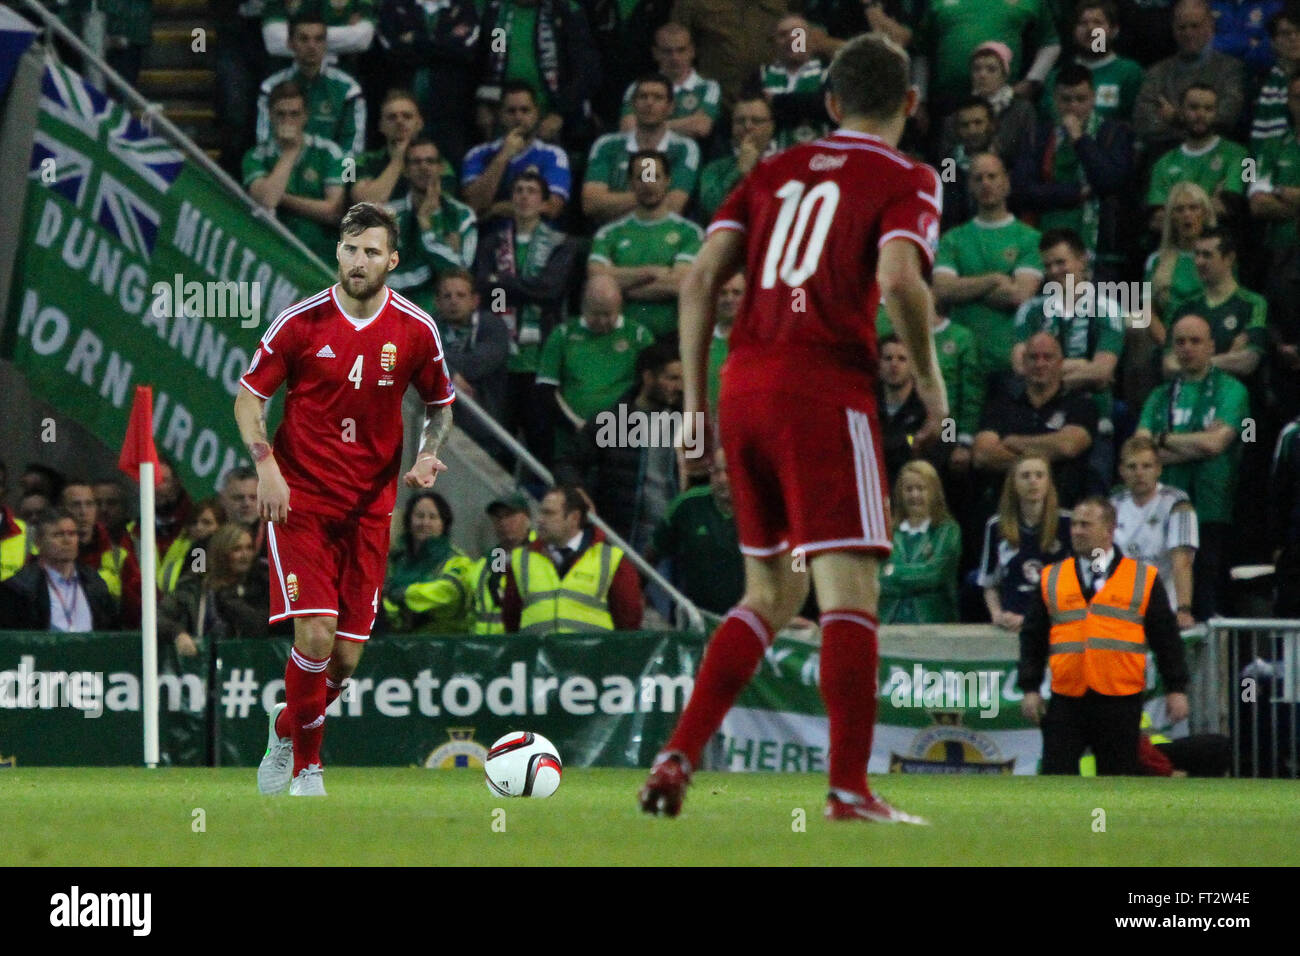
(523,764)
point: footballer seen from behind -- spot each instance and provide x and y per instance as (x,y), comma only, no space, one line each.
(327,485)
(823,231)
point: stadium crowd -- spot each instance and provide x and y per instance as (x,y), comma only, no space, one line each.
(1117,283)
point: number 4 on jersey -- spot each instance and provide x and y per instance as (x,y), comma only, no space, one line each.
(783,247)
(354,376)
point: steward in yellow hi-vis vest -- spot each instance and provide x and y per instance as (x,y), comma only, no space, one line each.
(570,579)
(13,543)
(1093,619)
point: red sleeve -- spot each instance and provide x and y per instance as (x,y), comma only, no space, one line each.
(734,211)
(270,365)
(432,380)
(1151,760)
(913,213)
(626,602)
(512,605)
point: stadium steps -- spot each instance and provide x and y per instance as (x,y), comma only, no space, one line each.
(177,76)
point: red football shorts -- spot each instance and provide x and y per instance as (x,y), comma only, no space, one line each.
(328,566)
(805,473)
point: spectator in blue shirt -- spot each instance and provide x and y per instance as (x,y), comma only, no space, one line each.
(490,168)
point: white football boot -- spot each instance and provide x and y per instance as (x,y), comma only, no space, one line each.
(310,782)
(276,769)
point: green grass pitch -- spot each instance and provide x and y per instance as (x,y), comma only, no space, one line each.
(388,816)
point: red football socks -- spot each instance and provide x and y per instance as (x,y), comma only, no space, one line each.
(332,690)
(729,662)
(304,718)
(849,661)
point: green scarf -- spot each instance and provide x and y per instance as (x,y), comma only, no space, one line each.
(404,570)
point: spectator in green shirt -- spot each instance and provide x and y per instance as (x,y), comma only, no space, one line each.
(607,193)
(435,233)
(336,109)
(426,588)
(1237,316)
(792,81)
(696,101)
(918,584)
(1196,420)
(1205,158)
(381,173)
(649,251)
(1115,79)
(1171,269)
(987,268)
(588,362)
(296,175)
(698,533)
(729,298)
(752,132)
(1270,118)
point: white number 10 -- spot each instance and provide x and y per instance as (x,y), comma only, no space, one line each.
(784,246)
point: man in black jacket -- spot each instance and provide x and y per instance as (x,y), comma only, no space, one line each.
(1096,624)
(1078,172)
(55,592)
(624,455)
(476,345)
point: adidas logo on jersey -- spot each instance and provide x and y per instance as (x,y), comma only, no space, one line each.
(325,352)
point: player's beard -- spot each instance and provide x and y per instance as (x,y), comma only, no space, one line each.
(361,287)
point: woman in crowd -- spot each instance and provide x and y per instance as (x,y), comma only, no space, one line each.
(208,516)
(1171,269)
(223,601)
(1029,532)
(918,585)
(426,589)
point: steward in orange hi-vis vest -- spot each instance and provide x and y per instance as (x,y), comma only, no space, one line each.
(1100,645)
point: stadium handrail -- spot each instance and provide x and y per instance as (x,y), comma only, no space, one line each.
(152,113)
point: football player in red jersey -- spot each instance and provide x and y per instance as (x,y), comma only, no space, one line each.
(823,231)
(327,486)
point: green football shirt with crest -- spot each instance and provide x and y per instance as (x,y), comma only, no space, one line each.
(607,161)
(1278,165)
(777,79)
(978,247)
(1243,311)
(1212,166)
(705,549)
(319,165)
(695,95)
(633,241)
(592,371)
(1181,407)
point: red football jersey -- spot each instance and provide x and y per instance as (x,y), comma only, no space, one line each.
(815,216)
(339,445)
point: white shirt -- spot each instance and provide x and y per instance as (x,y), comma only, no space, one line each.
(69,606)
(1091,576)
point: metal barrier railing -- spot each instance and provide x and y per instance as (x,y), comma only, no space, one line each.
(1257,663)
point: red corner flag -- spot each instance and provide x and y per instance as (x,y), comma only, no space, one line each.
(138,446)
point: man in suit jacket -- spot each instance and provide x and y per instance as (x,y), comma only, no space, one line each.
(55,592)
(1096,614)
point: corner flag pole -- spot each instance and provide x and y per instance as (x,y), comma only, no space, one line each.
(138,459)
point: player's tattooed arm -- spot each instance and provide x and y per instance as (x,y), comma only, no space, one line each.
(437,425)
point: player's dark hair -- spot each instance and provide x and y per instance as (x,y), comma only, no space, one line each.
(1227,239)
(635,161)
(1073,74)
(306,19)
(458,273)
(368,215)
(444,512)
(1107,8)
(869,77)
(533,176)
(1203,87)
(653,77)
(288,90)
(1054,237)
(654,358)
(1107,509)
(575,499)
(974,102)
(518,86)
